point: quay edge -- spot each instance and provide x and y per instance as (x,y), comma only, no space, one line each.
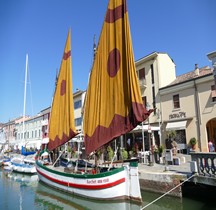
(162,182)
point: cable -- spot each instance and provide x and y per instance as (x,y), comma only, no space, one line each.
(167,192)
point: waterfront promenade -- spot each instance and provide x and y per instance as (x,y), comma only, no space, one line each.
(161,178)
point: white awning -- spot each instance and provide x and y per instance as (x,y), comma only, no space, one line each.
(138,129)
(180,125)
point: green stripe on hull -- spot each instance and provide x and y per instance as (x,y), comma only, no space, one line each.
(82,176)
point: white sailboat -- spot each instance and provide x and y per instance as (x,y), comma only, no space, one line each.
(24,163)
(113,107)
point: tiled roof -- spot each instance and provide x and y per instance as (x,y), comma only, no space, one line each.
(206,70)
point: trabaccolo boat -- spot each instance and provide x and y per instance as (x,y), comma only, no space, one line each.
(113,107)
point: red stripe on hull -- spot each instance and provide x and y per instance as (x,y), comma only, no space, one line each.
(83,186)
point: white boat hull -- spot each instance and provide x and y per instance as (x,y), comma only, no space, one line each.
(18,164)
(120,183)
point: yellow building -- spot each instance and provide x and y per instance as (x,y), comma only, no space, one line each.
(188,107)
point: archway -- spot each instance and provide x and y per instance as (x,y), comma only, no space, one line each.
(211,130)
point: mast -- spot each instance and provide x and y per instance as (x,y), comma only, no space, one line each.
(24,102)
(94,46)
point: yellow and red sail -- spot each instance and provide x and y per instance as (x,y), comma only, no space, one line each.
(113,103)
(62,125)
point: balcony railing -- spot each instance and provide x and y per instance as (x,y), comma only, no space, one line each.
(142,83)
(44,122)
(206,163)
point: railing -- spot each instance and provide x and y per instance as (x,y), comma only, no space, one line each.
(206,163)
(142,83)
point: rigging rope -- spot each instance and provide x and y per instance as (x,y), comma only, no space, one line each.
(167,192)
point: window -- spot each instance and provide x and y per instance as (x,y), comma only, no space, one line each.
(144,100)
(142,74)
(78,121)
(213,93)
(153,99)
(77,104)
(152,73)
(176,102)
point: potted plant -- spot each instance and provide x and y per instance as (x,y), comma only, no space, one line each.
(110,153)
(156,153)
(160,150)
(193,142)
(135,150)
(124,154)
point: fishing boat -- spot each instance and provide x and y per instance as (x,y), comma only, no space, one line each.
(113,107)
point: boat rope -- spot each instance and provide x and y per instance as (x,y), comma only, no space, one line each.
(168,192)
(115,155)
(61,153)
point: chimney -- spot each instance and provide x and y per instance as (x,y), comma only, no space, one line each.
(196,71)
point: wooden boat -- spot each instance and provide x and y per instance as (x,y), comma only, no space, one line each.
(113,107)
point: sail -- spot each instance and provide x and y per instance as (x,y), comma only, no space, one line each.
(113,103)
(62,125)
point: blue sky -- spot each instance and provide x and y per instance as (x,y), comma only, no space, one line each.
(184,29)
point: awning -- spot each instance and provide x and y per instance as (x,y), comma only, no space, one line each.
(180,125)
(138,129)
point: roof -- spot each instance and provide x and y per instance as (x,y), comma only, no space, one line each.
(150,57)
(194,74)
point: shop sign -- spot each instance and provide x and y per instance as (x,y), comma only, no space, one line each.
(177,115)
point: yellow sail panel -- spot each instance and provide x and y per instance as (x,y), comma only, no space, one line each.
(113,100)
(62,126)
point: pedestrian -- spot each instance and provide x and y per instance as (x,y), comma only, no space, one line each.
(211,146)
(174,147)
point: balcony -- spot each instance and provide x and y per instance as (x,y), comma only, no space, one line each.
(142,83)
(44,122)
(205,167)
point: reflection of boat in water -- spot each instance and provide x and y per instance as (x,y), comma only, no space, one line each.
(54,199)
(19,177)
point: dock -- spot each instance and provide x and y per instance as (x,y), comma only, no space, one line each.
(161,178)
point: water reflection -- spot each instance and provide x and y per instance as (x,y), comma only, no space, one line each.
(23,192)
(48,197)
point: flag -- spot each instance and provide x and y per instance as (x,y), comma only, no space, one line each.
(113,103)
(62,126)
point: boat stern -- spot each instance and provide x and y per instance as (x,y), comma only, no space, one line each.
(134,191)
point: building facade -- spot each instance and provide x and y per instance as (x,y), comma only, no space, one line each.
(183,106)
(152,71)
(79,98)
(189,109)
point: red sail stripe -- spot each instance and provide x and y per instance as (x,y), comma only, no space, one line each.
(114,14)
(66,55)
(83,186)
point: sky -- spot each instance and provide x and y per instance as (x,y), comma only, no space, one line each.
(184,29)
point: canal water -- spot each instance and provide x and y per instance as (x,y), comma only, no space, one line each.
(24,192)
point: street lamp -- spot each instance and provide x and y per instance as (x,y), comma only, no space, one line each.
(151,163)
(143,137)
(159,122)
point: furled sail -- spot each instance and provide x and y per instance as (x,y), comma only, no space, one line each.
(62,125)
(113,103)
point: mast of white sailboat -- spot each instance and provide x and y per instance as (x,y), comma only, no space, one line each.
(24,102)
